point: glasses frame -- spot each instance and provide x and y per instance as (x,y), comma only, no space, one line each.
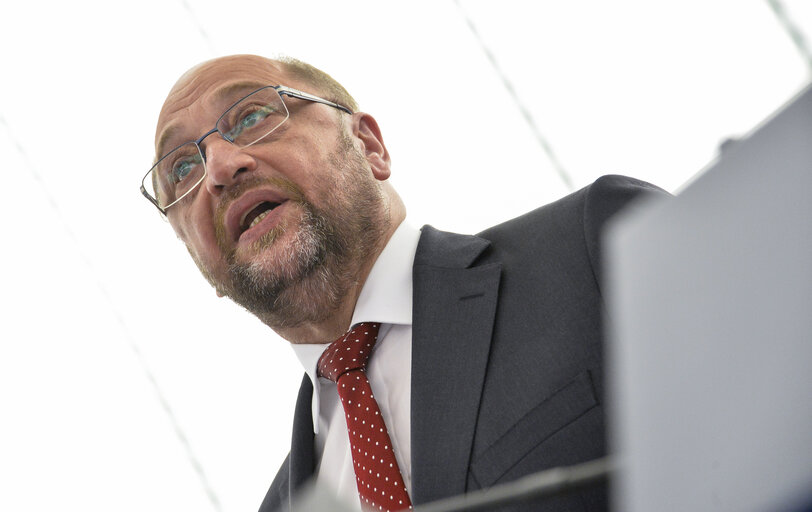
(281,90)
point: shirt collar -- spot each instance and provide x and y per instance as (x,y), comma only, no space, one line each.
(386,297)
(387,293)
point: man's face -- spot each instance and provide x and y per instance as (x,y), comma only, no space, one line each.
(280,226)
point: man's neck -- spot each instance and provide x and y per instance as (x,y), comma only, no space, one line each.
(337,323)
(327,330)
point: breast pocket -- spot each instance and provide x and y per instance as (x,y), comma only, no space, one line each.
(530,435)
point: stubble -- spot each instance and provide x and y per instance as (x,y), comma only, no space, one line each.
(325,250)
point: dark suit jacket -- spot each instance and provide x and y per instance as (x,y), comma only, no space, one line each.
(506,354)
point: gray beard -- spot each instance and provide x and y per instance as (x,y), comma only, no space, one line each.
(325,257)
(307,288)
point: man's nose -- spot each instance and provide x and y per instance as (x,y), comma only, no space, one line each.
(225,162)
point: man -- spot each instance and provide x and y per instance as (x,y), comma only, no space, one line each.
(487,364)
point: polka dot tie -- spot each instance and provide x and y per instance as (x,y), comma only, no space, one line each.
(377,474)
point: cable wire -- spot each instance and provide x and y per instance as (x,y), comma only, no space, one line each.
(792,30)
(525,112)
(150,376)
(203,33)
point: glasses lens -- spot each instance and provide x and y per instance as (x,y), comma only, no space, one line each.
(253,118)
(175,175)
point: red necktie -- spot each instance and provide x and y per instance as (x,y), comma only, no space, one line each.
(377,474)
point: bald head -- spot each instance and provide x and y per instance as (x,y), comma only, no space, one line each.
(235,63)
(286,70)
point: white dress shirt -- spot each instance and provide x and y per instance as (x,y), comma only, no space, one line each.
(386,298)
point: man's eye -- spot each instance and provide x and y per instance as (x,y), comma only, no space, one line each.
(250,118)
(183,167)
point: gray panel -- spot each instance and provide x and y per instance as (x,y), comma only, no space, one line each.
(711,306)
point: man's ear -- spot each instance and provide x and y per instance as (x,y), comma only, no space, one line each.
(366,130)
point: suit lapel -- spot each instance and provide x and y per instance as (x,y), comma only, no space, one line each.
(302,461)
(453,314)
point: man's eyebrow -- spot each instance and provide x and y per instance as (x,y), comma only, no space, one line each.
(245,87)
(165,136)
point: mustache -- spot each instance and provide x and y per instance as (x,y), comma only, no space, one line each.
(232,193)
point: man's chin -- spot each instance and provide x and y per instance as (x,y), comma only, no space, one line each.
(259,259)
(279,295)
(276,265)
(270,242)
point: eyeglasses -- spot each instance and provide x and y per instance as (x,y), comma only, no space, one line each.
(180,171)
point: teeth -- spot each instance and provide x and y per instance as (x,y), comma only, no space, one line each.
(258,218)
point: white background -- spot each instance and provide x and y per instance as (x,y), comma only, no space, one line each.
(124,382)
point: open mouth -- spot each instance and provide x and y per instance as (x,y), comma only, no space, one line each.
(243,214)
(256,214)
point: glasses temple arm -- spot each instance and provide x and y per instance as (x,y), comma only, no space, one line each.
(295,93)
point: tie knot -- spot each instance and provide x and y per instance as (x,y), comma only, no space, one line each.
(349,352)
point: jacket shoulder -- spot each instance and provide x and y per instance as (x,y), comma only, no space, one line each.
(571,225)
(610,194)
(603,200)
(595,203)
